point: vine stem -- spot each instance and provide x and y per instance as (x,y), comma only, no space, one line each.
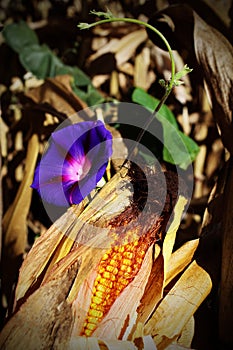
(149,26)
(168,87)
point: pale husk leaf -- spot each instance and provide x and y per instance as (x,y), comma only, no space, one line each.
(187,334)
(170,237)
(42,251)
(180,259)
(179,305)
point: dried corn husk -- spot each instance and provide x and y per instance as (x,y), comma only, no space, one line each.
(179,305)
(65,260)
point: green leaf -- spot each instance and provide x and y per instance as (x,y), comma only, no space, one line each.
(19,36)
(178,82)
(43,63)
(84,25)
(178,148)
(141,97)
(106,15)
(40,60)
(91,96)
(185,70)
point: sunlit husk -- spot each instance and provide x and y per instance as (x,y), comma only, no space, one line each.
(179,305)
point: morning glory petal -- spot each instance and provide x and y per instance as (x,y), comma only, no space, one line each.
(75,161)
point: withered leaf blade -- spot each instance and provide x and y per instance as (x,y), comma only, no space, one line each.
(123,48)
(58,93)
(14,221)
(215,55)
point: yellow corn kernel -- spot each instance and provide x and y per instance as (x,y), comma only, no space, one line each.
(127,262)
(91,319)
(97,307)
(109,276)
(87,332)
(95,313)
(99,294)
(118,256)
(106,282)
(102,288)
(141,253)
(113,262)
(117,292)
(105,257)
(112,269)
(91,326)
(119,288)
(123,281)
(121,249)
(97,280)
(137,265)
(128,255)
(126,275)
(97,300)
(126,268)
(101,269)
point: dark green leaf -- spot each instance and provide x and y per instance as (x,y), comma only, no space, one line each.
(141,97)
(43,63)
(91,96)
(178,148)
(40,60)
(19,36)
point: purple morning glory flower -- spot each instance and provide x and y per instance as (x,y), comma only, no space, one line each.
(74,163)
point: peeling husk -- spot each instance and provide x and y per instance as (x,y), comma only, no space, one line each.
(179,305)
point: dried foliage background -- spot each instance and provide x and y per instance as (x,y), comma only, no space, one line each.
(117,58)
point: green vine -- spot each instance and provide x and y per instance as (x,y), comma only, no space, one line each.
(167,85)
(175,77)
